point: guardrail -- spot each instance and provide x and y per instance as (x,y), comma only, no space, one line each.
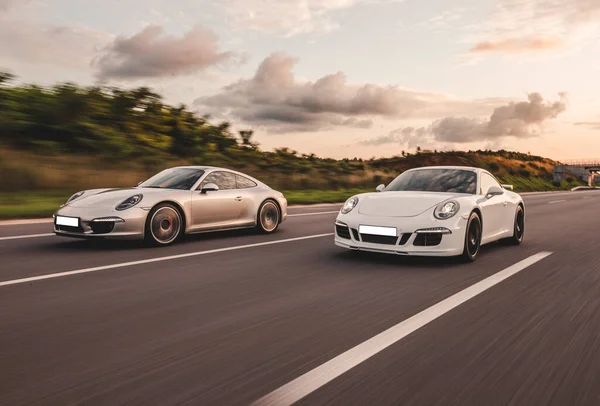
(581,162)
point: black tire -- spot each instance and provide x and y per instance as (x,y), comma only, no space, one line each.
(472,244)
(164,225)
(519,227)
(268,217)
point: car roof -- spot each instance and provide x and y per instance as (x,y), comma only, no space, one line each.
(207,168)
(466,168)
(193,167)
(213,168)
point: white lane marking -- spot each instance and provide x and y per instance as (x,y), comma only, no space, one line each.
(304,385)
(18,237)
(313,214)
(159,259)
(22,222)
(309,206)
(586,197)
(557,201)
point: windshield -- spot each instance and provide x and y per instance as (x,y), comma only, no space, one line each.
(175,178)
(435,180)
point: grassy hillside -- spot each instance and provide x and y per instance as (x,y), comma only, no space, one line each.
(34,184)
(55,141)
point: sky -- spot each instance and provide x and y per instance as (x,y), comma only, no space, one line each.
(338,78)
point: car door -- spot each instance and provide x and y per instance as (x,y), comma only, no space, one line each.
(507,213)
(219,208)
(493,209)
(247,190)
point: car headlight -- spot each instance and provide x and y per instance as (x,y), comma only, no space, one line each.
(75,196)
(349,205)
(130,202)
(446,210)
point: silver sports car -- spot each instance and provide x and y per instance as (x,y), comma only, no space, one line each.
(186,199)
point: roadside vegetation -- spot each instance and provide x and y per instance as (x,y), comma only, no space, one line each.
(55,141)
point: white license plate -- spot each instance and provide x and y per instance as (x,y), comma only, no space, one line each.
(386,231)
(67,221)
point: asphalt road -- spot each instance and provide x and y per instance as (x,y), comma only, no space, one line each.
(230,318)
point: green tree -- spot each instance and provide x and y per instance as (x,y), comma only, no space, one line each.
(6,77)
(246,136)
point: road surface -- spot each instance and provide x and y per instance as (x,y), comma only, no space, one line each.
(240,319)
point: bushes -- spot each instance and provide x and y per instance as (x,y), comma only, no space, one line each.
(525,173)
(493,167)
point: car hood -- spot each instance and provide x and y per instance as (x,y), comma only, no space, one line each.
(108,197)
(400,204)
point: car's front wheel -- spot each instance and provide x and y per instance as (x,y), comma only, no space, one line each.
(519,226)
(269,217)
(472,238)
(164,225)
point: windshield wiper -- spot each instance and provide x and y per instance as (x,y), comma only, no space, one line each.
(153,187)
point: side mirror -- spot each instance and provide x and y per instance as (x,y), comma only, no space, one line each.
(380,188)
(494,191)
(508,187)
(209,187)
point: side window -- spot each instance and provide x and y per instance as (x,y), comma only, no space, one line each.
(244,183)
(487,182)
(224,180)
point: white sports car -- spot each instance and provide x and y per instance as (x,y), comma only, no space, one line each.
(432,211)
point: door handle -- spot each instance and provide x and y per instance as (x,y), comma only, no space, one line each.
(239,199)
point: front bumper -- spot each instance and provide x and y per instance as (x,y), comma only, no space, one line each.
(96,223)
(417,236)
(283,204)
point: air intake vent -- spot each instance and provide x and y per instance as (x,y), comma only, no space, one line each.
(379,239)
(405,238)
(342,231)
(102,227)
(428,239)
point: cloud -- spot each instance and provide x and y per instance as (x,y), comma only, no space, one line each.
(6,5)
(519,120)
(391,138)
(151,54)
(289,17)
(536,25)
(275,99)
(594,125)
(357,123)
(72,47)
(409,136)
(517,45)
(446,17)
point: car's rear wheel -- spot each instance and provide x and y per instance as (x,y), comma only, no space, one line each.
(519,226)
(472,238)
(269,217)
(164,225)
